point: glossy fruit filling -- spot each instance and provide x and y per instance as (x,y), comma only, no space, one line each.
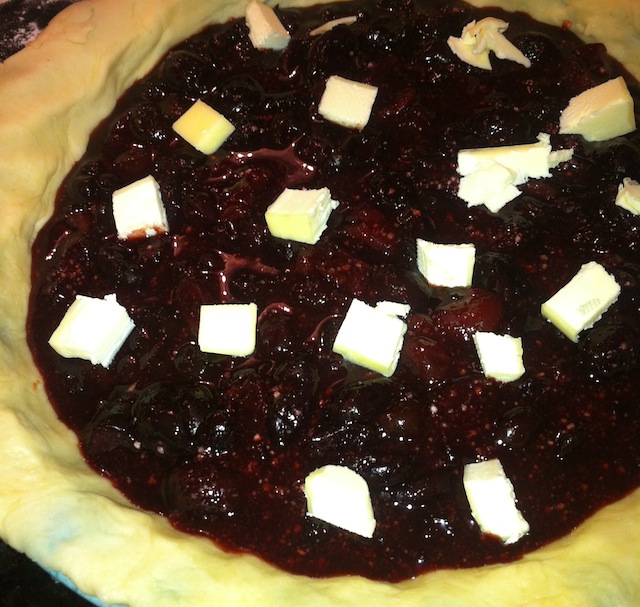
(222,445)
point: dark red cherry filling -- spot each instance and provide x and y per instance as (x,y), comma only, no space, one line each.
(222,445)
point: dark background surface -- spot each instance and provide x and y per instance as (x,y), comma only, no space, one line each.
(22,582)
(25,584)
(22,20)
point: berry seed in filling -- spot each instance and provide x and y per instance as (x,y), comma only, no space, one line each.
(224,444)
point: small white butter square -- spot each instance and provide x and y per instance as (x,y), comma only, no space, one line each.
(300,215)
(582,301)
(329,25)
(493,502)
(339,496)
(347,102)
(490,175)
(370,338)
(526,161)
(228,329)
(393,308)
(138,210)
(93,329)
(466,51)
(203,127)
(478,38)
(500,355)
(491,185)
(265,29)
(628,196)
(446,265)
(600,113)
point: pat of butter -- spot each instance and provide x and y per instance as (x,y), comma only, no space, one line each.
(526,161)
(493,502)
(500,355)
(491,185)
(93,329)
(490,175)
(370,338)
(600,113)
(339,496)
(479,38)
(464,48)
(300,215)
(138,210)
(582,301)
(203,127)
(628,196)
(446,265)
(393,308)
(228,329)
(265,29)
(347,102)
(329,25)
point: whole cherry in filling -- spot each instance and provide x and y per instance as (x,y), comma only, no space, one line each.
(222,444)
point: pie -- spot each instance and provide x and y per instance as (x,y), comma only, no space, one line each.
(69,519)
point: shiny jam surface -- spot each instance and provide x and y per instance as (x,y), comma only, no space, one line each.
(222,445)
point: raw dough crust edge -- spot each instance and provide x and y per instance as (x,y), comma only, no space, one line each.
(54,508)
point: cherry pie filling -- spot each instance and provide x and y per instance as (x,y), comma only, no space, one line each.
(221,445)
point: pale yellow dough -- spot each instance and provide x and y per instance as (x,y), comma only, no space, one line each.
(67,518)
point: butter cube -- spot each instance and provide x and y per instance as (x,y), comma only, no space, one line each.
(490,175)
(500,355)
(347,102)
(265,29)
(446,265)
(228,329)
(393,308)
(138,210)
(300,215)
(628,196)
(203,127)
(93,329)
(557,157)
(329,25)
(582,301)
(478,38)
(339,496)
(493,502)
(491,185)
(526,161)
(600,113)
(370,338)
(465,49)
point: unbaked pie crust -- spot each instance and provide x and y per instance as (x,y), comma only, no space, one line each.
(67,518)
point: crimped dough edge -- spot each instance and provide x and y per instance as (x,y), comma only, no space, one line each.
(70,520)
